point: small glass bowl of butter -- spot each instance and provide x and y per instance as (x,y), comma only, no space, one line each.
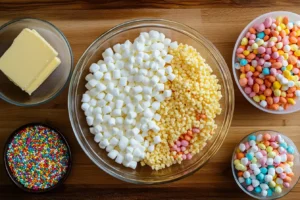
(36,62)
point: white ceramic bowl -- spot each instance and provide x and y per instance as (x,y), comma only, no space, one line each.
(236,73)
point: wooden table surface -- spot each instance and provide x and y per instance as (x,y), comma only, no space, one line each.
(82,22)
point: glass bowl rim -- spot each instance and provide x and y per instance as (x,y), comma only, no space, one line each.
(236,178)
(57,93)
(222,68)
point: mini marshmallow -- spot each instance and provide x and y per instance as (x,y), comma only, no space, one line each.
(155,128)
(93,82)
(114,141)
(148,113)
(101,103)
(157,139)
(123,81)
(154,80)
(111,66)
(160,98)
(98,128)
(92,130)
(155,105)
(173,45)
(139,138)
(109,59)
(117,112)
(116,92)
(119,104)
(103,68)
(100,95)
(160,87)
(99,118)
(138,98)
(109,97)
(129,157)
(93,102)
(137,152)
(113,154)
(101,87)
(133,142)
(93,92)
(107,135)
(90,120)
(161,72)
(139,109)
(85,98)
(147,90)
(98,137)
(157,117)
(119,120)
(168,58)
(151,148)
(135,131)
(107,76)
(109,148)
(107,109)
(94,68)
(116,74)
(104,143)
(129,149)
(123,143)
(89,77)
(132,164)
(171,77)
(112,121)
(137,89)
(119,158)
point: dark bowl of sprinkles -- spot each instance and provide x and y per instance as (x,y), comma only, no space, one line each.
(37,158)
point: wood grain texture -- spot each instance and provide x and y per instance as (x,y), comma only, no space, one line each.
(82,22)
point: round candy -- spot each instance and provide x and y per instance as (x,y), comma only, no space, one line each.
(257,190)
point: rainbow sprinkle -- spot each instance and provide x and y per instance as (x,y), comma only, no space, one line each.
(38,157)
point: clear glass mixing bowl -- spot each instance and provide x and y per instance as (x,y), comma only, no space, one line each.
(56,82)
(119,34)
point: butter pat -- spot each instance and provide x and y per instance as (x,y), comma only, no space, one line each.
(29,61)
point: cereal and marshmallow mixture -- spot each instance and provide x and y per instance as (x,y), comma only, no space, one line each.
(151,101)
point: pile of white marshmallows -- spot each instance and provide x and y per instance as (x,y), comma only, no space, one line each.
(124,92)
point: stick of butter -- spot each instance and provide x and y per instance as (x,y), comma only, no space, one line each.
(29,61)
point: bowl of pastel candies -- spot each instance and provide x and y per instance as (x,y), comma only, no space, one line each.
(266,62)
(265,165)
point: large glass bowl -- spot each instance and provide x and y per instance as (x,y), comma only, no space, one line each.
(119,34)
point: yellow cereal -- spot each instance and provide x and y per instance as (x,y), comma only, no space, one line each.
(195,90)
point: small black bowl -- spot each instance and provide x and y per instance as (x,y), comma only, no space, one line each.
(12,177)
